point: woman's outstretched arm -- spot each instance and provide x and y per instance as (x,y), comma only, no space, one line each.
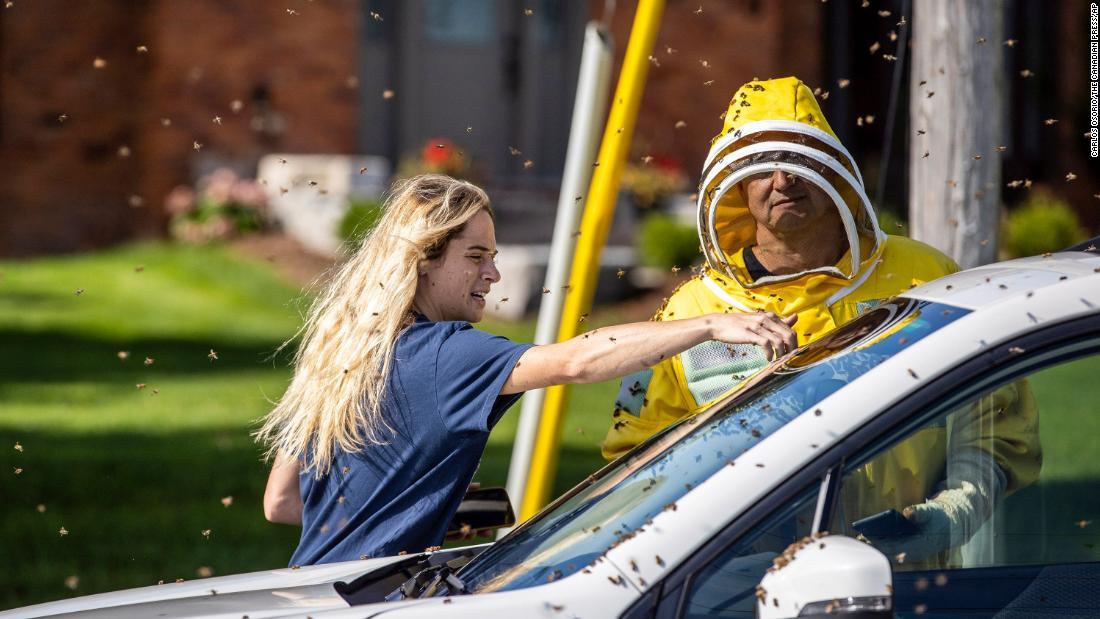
(282,497)
(611,352)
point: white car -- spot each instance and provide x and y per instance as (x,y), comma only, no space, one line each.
(997,367)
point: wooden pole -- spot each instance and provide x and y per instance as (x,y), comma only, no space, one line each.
(957,123)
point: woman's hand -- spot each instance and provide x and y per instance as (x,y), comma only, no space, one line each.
(764,329)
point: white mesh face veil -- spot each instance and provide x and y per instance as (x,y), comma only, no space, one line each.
(813,156)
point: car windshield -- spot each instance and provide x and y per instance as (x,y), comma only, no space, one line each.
(585,522)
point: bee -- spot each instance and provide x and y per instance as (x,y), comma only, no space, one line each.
(913,373)
(680,124)
(149,361)
(1026,73)
(874,47)
(1070,176)
(196,145)
(653,60)
(513,151)
(227,501)
(1011,42)
(99,63)
(527,165)
(388,94)
(217,120)
(528,12)
(376,16)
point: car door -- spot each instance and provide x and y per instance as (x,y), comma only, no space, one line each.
(1009,436)
(1002,480)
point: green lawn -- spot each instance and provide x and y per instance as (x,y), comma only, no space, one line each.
(135,476)
(163,482)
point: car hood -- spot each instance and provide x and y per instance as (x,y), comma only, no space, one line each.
(271,593)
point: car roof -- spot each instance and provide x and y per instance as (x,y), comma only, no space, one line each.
(994,283)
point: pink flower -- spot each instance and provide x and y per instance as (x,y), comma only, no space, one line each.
(218,186)
(180,200)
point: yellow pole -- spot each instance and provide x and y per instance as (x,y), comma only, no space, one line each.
(598,212)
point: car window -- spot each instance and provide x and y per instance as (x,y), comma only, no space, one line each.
(989,503)
(613,504)
(726,587)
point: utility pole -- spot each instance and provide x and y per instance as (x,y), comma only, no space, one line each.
(957,118)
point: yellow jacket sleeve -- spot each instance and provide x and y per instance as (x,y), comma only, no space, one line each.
(647,402)
(1004,424)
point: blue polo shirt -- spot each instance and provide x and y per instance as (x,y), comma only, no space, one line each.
(442,399)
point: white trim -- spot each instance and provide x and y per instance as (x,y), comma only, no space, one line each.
(804,172)
(845,291)
(722,294)
(812,153)
(790,126)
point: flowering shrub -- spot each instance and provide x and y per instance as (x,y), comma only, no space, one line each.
(439,156)
(223,205)
(651,183)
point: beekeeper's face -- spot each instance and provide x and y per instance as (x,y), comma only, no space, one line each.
(453,286)
(785,203)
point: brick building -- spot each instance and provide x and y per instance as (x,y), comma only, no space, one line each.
(105,106)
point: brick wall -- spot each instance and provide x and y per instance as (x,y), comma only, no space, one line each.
(68,186)
(738,40)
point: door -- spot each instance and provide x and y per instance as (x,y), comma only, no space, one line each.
(992,474)
(998,487)
(495,77)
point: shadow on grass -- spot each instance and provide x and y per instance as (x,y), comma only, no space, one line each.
(135,507)
(58,357)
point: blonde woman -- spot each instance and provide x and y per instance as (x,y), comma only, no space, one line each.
(394,392)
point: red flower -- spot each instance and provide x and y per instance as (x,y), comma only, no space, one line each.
(438,152)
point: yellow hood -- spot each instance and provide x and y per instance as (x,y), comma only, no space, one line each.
(777,125)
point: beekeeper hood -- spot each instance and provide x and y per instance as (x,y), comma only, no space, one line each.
(777,125)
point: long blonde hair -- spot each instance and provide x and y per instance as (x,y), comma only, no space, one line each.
(346,353)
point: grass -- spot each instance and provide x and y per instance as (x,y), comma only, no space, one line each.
(136,476)
(139,478)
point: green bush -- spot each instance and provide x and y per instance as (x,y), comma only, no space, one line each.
(358,221)
(665,242)
(890,223)
(1043,223)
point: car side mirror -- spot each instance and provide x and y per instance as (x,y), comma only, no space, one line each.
(482,510)
(827,577)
